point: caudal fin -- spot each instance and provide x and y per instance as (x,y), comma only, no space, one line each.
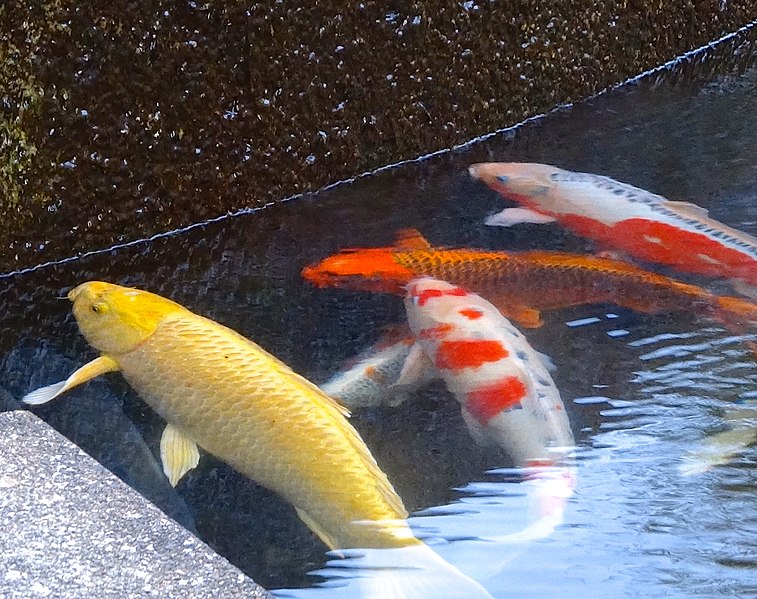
(736,313)
(717,450)
(414,572)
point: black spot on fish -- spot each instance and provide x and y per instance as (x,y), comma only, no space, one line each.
(522,355)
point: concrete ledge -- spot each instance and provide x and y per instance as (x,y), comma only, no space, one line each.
(72,529)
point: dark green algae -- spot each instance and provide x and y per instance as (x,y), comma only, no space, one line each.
(122,119)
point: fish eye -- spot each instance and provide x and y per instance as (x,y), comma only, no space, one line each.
(97,308)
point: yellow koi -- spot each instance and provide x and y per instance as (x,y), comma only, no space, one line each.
(221,391)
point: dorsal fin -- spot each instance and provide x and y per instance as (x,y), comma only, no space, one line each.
(411,239)
(687,208)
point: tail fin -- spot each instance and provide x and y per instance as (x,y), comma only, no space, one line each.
(736,313)
(746,289)
(494,522)
(415,572)
(718,450)
(723,447)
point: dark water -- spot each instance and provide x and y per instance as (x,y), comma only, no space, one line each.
(642,391)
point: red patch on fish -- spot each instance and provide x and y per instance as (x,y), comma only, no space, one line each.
(540,463)
(486,402)
(437,332)
(471,313)
(456,355)
(654,241)
(427,294)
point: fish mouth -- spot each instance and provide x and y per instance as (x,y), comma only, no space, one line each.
(473,170)
(75,292)
(318,277)
(90,287)
(487,171)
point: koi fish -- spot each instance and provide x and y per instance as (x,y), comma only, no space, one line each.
(222,392)
(642,224)
(507,395)
(522,284)
(372,379)
(721,448)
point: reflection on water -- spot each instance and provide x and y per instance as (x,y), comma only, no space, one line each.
(643,392)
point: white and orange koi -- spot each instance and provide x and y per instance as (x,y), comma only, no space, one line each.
(642,224)
(507,395)
(370,380)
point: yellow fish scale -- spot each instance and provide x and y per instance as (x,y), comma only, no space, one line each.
(249,409)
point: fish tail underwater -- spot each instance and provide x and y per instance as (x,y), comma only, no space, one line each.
(737,312)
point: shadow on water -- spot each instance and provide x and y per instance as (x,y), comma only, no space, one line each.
(641,391)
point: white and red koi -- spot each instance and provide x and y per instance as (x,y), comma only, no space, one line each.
(507,395)
(642,224)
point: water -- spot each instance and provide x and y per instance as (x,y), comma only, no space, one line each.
(642,391)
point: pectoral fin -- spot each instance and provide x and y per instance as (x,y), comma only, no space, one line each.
(327,539)
(525,316)
(417,368)
(87,372)
(514,216)
(178,453)
(548,362)
(411,239)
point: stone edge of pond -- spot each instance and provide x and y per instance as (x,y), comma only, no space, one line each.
(70,529)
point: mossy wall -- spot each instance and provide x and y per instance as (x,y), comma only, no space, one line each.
(125,118)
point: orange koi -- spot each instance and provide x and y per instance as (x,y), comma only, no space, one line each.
(522,284)
(642,224)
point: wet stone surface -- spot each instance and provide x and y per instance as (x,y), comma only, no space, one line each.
(125,119)
(72,529)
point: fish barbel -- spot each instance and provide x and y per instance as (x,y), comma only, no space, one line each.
(642,224)
(521,284)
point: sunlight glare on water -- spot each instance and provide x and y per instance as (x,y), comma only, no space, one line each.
(643,392)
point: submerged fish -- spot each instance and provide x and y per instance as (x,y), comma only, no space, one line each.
(721,448)
(508,397)
(521,284)
(644,225)
(371,379)
(221,391)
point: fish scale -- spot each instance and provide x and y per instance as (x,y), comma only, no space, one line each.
(568,279)
(507,396)
(645,225)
